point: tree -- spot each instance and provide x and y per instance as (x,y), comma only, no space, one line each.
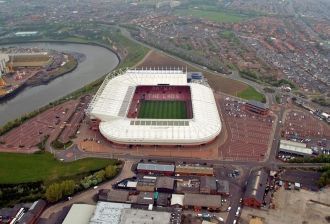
(54,192)
(67,187)
(110,171)
(100,176)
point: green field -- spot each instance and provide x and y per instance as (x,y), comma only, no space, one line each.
(22,168)
(217,16)
(251,94)
(163,110)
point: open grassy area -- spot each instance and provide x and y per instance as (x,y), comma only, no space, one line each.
(251,94)
(22,168)
(217,16)
(163,110)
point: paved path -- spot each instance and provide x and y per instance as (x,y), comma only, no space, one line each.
(88,196)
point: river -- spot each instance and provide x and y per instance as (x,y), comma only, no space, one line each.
(98,62)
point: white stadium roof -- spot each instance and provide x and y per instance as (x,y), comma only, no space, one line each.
(111,103)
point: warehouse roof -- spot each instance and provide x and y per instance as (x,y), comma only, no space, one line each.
(110,105)
(223,186)
(295,148)
(106,212)
(194,169)
(202,200)
(145,198)
(139,216)
(118,196)
(177,199)
(165,182)
(256,185)
(79,213)
(208,182)
(156,167)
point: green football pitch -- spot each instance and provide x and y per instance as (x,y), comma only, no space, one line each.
(163,109)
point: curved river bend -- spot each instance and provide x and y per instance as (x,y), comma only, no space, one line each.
(98,62)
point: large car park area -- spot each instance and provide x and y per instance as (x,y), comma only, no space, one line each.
(249,134)
(301,126)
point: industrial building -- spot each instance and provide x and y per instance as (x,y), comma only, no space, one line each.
(202,201)
(208,185)
(177,200)
(107,212)
(152,168)
(129,216)
(257,107)
(295,148)
(165,184)
(194,170)
(113,103)
(255,189)
(223,187)
(80,213)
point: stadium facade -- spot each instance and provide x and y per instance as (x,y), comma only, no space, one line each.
(121,101)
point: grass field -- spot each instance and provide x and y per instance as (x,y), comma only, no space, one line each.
(251,94)
(163,110)
(217,16)
(21,168)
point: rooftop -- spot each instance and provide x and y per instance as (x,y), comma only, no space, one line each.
(106,212)
(202,200)
(295,147)
(156,167)
(135,216)
(79,213)
(256,185)
(194,169)
(118,196)
(165,182)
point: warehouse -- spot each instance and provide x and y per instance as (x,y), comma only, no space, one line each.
(255,190)
(295,148)
(152,168)
(165,184)
(202,201)
(223,187)
(80,213)
(194,170)
(208,185)
(129,216)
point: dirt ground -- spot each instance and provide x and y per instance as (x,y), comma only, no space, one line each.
(294,207)
(218,83)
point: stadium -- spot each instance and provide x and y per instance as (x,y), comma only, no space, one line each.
(155,107)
